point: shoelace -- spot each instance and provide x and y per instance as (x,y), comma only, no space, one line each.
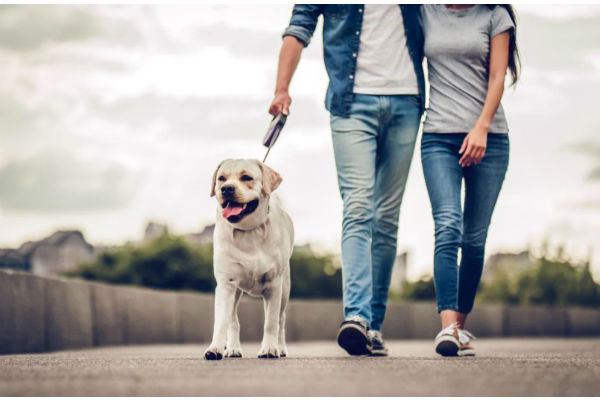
(449,330)
(358,319)
(464,336)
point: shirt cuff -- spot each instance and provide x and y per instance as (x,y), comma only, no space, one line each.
(299,32)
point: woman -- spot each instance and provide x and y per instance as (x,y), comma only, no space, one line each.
(468,50)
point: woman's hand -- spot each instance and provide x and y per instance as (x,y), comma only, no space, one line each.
(475,143)
(473,147)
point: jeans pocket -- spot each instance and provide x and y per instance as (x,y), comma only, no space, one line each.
(498,143)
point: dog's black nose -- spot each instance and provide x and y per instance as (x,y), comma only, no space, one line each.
(228,190)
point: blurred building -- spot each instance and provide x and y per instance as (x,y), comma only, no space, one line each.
(62,251)
(154,230)
(13,259)
(399,272)
(204,237)
(513,262)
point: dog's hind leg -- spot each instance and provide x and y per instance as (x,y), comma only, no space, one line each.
(285,295)
(234,348)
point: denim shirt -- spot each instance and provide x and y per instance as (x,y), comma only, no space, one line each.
(341,38)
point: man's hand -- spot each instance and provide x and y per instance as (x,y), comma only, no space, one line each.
(473,147)
(289,56)
(281,103)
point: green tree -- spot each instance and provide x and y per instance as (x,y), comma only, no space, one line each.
(315,275)
(421,290)
(167,262)
(552,280)
(170,262)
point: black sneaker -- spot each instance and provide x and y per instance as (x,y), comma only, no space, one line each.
(378,347)
(353,337)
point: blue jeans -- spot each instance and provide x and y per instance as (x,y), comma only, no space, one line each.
(373,149)
(455,228)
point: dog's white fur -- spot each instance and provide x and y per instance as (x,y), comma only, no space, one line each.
(250,256)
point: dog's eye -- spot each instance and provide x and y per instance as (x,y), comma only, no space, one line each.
(246,178)
(222,178)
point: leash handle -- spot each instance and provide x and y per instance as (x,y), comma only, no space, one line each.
(275,128)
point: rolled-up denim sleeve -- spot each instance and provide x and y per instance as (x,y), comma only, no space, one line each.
(303,22)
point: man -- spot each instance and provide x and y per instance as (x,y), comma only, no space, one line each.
(373,56)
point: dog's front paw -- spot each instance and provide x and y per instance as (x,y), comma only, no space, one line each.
(213,353)
(283,351)
(268,351)
(233,353)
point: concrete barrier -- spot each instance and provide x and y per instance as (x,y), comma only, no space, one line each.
(486,320)
(195,318)
(411,320)
(313,320)
(251,317)
(46,314)
(22,314)
(68,314)
(151,316)
(421,320)
(535,321)
(108,315)
(396,322)
(583,322)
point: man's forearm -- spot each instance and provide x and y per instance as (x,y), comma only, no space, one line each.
(289,56)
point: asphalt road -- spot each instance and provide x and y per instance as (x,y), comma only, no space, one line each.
(503,367)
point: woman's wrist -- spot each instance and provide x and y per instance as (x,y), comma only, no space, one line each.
(482,126)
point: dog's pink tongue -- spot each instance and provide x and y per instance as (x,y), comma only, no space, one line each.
(229,211)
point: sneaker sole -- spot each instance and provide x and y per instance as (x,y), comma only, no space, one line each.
(447,347)
(353,341)
(379,353)
(466,353)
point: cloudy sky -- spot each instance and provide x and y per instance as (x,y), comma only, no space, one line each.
(111,116)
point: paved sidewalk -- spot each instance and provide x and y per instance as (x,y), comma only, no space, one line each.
(505,367)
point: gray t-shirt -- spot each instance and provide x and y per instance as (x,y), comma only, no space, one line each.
(457,47)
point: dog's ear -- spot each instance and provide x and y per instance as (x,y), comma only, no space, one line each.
(270,178)
(214,179)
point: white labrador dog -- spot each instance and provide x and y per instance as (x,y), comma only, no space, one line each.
(253,243)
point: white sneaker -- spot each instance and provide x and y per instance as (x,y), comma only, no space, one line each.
(465,348)
(446,342)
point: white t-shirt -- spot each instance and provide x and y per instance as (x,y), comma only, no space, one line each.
(384,66)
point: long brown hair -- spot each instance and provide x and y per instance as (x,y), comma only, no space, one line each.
(514,60)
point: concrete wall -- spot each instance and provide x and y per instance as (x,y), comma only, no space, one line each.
(47,314)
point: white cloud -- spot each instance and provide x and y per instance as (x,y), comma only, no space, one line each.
(559,11)
(190,86)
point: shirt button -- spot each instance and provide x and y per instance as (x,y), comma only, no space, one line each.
(360,10)
(354,55)
(358,32)
(351,77)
